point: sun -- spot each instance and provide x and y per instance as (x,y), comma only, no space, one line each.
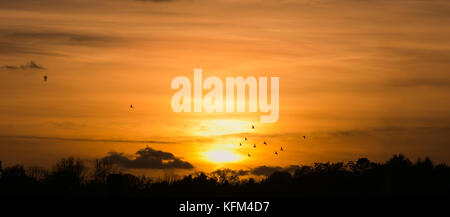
(221,156)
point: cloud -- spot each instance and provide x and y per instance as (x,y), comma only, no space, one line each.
(29,65)
(258,171)
(157,1)
(268,170)
(88,139)
(419,82)
(231,172)
(346,133)
(148,158)
(49,42)
(377,130)
(57,37)
(8,48)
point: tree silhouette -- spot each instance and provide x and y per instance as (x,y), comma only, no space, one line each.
(397,177)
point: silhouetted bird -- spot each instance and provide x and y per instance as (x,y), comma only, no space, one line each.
(281,149)
(246,139)
(304,137)
(240,144)
(276,153)
(45,78)
(253,127)
(131,106)
(254,145)
(249,155)
(265,143)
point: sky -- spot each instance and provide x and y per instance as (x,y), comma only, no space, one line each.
(358,78)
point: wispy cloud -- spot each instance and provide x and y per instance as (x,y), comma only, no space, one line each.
(9,48)
(88,139)
(56,37)
(29,65)
(49,42)
(156,1)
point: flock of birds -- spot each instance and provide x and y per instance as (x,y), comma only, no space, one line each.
(265,143)
(240,144)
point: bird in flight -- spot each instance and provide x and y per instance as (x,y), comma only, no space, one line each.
(276,153)
(265,143)
(254,145)
(249,155)
(245,138)
(45,78)
(240,144)
(304,137)
(253,126)
(131,106)
(281,149)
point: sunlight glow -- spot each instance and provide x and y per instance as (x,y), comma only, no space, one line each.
(221,156)
(223,127)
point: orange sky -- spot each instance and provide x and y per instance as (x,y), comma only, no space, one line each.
(358,78)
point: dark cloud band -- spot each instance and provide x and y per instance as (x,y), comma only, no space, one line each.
(148,158)
(88,140)
(29,65)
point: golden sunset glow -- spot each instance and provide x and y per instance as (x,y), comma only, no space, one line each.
(223,127)
(221,156)
(356,78)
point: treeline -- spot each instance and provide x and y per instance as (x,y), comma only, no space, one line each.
(396,177)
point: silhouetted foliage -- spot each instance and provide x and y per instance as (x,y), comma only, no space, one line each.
(37,173)
(67,176)
(102,169)
(397,177)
